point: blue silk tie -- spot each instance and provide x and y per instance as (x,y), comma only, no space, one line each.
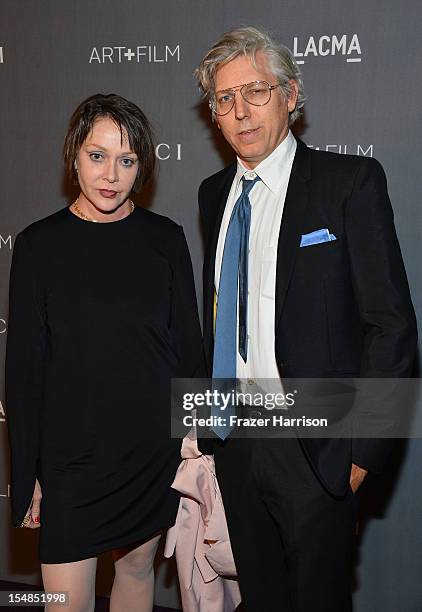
(233,282)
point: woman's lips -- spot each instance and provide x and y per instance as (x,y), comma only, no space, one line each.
(106,193)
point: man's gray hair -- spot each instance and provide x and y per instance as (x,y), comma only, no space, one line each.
(248,41)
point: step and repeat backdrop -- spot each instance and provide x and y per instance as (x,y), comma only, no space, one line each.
(361,65)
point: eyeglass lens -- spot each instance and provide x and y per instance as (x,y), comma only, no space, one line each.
(257,93)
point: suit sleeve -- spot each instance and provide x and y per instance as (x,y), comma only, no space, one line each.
(383,298)
(25,365)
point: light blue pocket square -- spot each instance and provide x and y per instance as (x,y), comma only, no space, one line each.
(321,235)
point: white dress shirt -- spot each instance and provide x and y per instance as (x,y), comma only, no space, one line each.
(267,201)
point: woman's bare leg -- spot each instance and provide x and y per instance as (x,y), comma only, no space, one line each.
(77,579)
(133,587)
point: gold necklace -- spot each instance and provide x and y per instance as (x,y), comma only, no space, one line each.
(82,215)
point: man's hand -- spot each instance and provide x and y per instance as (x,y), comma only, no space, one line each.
(357,476)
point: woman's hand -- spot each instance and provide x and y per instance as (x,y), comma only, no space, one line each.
(32,517)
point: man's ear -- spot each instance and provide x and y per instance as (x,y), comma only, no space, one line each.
(292,100)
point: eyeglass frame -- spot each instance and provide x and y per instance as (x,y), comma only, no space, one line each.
(235,89)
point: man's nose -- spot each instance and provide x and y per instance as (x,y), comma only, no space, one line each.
(241,107)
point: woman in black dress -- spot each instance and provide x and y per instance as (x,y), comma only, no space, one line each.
(102,315)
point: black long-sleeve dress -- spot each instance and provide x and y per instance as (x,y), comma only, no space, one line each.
(102,316)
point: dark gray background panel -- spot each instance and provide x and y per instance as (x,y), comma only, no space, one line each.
(369,106)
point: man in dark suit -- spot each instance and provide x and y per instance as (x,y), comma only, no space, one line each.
(320,292)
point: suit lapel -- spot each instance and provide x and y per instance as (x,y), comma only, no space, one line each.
(216,199)
(220,199)
(291,225)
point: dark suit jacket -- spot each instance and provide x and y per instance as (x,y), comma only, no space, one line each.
(343,307)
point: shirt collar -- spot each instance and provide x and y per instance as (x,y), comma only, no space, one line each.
(269,170)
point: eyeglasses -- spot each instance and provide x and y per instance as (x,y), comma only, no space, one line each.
(257,93)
